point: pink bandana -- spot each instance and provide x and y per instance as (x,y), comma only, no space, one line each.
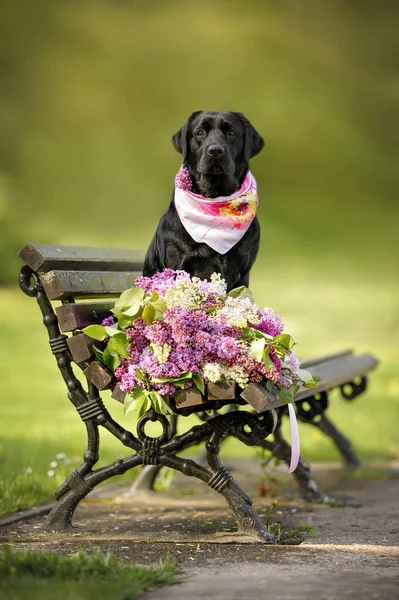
(219,222)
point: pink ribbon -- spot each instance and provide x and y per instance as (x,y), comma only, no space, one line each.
(295,443)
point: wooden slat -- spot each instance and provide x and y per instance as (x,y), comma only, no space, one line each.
(81,347)
(98,375)
(118,395)
(311,362)
(77,316)
(338,372)
(62,285)
(47,257)
(223,390)
(332,373)
(187,398)
(257,396)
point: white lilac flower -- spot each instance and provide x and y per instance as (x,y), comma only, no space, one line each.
(188,296)
(236,374)
(212,372)
(161,352)
(61,456)
(50,473)
(53,464)
(218,285)
(241,311)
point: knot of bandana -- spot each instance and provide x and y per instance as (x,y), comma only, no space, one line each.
(218,222)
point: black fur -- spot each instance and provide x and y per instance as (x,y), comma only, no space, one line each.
(216,148)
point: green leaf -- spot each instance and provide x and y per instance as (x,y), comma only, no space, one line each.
(99,354)
(129,404)
(149,314)
(288,395)
(157,302)
(307,379)
(155,398)
(304,375)
(134,311)
(140,376)
(199,382)
(111,359)
(124,322)
(285,340)
(128,298)
(118,344)
(112,330)
(177,381)
(136,392)
(266,358)
(166,410)
(269,385)
(97,332)
(159,404)
(142,405)
(240,291)
(256,348)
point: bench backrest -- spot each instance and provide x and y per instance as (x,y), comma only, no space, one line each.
(73,274)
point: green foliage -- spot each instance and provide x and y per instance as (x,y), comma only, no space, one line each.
(240,291)
(80,576)
(97,332)
(140,400)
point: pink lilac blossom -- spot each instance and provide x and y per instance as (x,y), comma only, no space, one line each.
(198,337)
(183,180)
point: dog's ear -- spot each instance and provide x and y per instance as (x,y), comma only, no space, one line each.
(180,139)
(253,141)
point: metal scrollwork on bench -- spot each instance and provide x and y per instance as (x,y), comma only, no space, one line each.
(151,445)
(353,389)
(312,407)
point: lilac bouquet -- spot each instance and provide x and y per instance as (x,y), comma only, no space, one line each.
(173,331)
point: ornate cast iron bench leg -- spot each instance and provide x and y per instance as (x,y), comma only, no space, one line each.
(309,489)
(91,410)
(342,443)
(213,432)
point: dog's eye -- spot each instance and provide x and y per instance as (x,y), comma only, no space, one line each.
(200,133)
(231,133)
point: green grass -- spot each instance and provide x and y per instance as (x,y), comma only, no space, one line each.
(80,576)
(324,312)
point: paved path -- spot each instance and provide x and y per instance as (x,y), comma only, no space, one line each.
(355,554)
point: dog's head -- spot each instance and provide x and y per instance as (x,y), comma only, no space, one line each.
(216,148)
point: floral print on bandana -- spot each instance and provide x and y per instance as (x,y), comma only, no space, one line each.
(218,222)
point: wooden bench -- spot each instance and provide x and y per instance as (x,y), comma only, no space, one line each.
(85,280)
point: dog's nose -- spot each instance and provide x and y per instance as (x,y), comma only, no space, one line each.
(215,150)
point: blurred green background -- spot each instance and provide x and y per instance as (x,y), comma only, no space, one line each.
(90,95)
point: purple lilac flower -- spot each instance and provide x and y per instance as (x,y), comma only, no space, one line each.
(292,361)
(227,347)
(183,179)
(108,321)
(159,332)
(196,338)
(161,282)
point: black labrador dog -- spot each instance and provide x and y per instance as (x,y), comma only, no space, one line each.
(216,148)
